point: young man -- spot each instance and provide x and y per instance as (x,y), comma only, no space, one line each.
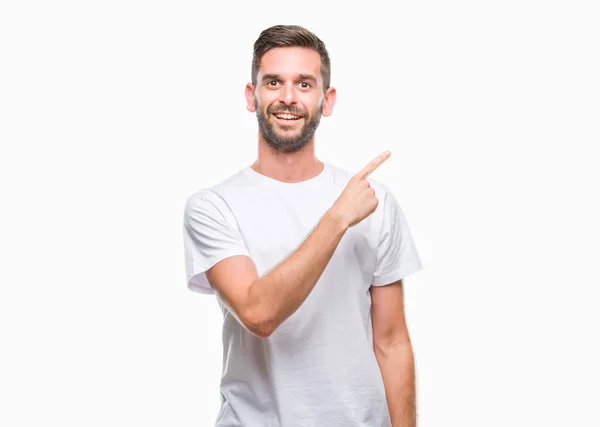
(306,261)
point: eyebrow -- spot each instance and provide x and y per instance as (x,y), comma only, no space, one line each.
(301,77)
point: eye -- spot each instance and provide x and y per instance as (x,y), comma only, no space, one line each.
(305,83)
(272,81)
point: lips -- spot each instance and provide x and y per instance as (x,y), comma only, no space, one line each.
(287,116)
(286,119)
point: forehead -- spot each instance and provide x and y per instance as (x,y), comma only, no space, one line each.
(290,60)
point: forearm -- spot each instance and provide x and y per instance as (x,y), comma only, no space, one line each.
(278,294)
(398,371)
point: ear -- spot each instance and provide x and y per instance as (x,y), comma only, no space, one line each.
(328,102)
(250,102)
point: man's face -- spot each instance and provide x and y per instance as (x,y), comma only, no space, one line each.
(289,81)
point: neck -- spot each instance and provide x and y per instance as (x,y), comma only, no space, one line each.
(287,167)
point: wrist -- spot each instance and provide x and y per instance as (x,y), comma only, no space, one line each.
(338,221)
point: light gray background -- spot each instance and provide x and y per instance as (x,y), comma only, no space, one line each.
(112,113)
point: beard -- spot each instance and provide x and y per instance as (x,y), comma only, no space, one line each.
(283,139)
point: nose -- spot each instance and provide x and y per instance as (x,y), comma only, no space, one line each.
(287,94)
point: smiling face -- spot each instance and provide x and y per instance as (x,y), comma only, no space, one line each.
(289,98)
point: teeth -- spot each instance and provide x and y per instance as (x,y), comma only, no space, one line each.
(286,116)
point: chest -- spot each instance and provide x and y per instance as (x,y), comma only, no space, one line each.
(275,227)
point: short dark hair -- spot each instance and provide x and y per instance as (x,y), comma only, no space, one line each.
(290,36)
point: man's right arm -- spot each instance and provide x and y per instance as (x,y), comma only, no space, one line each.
(262,304)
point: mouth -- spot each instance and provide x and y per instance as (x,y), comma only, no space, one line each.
(286,119)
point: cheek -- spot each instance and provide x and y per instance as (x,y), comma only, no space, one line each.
(316,109)
(316,104)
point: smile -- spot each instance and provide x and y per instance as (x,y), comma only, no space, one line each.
(286,119)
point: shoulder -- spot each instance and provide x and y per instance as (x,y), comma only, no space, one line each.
(199,197)
(218,193)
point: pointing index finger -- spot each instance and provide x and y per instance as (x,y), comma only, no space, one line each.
(374,164)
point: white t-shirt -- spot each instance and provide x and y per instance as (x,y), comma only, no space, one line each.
(318,368)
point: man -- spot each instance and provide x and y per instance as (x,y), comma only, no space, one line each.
(306,261)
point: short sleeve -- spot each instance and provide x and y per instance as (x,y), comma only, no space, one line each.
(397,255)
(207,239)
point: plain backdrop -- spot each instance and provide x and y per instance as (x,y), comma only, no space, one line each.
(112,113)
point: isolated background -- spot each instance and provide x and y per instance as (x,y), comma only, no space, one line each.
(112,113)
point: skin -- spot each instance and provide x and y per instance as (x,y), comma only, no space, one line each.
(394,353)
(286,152)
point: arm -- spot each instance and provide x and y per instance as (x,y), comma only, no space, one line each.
(278,294)
(393,350)
(262,304)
